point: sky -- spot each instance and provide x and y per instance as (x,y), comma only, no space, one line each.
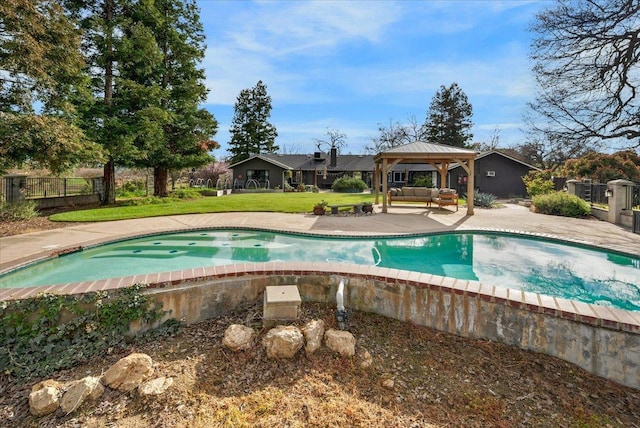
(352,66)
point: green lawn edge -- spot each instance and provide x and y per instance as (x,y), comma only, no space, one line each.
(247,202)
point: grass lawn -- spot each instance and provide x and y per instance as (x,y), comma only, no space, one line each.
(294,202)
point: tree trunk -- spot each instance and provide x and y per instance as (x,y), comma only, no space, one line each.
(109,196)
(160,175)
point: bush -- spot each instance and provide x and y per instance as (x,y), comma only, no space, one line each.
(22,210)
(538,183)
(561,204)
(484,200)
(423,181)
(188,193)
(348,185)
(132,189)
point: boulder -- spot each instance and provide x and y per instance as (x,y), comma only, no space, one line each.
(81,390)
(44,400)
(238,337)
(129,372)
(283,341)
(341,342)
(313,332)
(155,387)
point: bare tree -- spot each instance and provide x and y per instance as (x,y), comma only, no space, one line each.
(289,149)
(335,139)
(586,67)
(395,134)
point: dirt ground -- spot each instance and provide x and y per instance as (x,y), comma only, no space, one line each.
(438,380)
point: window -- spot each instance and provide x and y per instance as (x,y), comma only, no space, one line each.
(397,177)
(260,175)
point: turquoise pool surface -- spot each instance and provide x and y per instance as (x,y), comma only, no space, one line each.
(512,261)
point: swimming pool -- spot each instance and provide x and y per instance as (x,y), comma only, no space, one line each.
(540,266)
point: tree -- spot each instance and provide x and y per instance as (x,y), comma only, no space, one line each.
(336,140)
(586,55)
(160,54)
(101,120)
(449,118)
(251,133)
(605,167)
(41,68)
(395,134)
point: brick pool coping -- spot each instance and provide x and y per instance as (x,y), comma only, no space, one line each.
(590,314)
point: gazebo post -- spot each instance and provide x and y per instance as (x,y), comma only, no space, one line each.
(384,185)
(376,180)
(470,185)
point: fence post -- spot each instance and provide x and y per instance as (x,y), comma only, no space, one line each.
(15,187)
(98,186)
(618,198)
(571,186)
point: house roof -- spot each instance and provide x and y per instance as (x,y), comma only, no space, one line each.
(500,153)
(309,162)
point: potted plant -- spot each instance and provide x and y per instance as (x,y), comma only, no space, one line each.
(367,207)
(319,208)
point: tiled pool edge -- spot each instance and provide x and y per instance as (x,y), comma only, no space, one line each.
(603,341)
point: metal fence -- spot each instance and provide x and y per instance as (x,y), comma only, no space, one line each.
(47,187)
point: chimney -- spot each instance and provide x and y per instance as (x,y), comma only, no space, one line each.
(334,157)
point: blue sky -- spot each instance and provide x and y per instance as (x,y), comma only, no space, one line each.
(351,65)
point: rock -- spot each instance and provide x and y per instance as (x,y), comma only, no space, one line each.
(283,341)
(155,387)
(366,360)
(238,337)
(81,390)
(341,342)
(44,400)
(388,383)
(129,372)
(313,332)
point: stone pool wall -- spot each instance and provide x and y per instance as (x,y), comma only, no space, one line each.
(603,341)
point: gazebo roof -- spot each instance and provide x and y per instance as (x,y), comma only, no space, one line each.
(420,151)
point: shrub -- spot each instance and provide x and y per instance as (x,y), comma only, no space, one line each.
(348,185)
(21,210)
(132,189)
(561,204)
(423,181)
(538,183)
(484,200)
(188,193)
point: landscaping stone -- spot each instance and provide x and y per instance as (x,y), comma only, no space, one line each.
(44,400)
(283,341)
(341,342)
(129,372)
(313,332)
(238,337)
(155,387)
(81,390)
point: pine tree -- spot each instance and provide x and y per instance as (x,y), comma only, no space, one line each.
(251,133)
(165,46)
(449,117)
(101,23)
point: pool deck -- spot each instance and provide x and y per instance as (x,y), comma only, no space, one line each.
(21,249)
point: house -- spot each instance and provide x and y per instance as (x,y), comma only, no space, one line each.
(495,172)
(270,170)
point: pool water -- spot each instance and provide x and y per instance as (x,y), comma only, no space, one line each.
(538,266)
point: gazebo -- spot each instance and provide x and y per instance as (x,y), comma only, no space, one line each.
(438,155)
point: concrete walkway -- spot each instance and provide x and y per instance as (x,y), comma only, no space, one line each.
(17,250)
